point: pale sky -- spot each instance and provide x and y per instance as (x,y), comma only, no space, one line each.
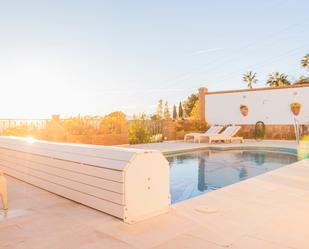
(93,57)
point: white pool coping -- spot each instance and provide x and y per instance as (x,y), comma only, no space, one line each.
(171,147)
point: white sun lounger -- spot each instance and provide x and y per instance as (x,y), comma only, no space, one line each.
(211,131)
(228,135)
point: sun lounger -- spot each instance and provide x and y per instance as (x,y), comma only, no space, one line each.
(226,135)
(211,131)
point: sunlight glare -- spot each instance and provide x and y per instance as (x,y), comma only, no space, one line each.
(303,148)
(30,140)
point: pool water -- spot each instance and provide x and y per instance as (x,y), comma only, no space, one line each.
(195,173)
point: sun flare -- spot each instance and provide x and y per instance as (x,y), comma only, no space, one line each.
(30,140)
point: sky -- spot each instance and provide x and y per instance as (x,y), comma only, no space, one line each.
(72,57)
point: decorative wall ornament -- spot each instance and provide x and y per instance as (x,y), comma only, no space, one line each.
(295,108)
(244,110)
(259,131)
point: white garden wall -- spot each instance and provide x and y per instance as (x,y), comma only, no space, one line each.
(272,106)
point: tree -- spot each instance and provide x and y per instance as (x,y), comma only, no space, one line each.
(189,103)
(174,112)
(160,109)
(305,61)
(114,123)
(167,114)
(73,125)
(155,117)
(302,80)
(250,79)
(194,112)
(138,130)
(180,110)
(277,79)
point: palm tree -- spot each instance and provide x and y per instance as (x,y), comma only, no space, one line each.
(250,78)
(302,80)
(277,79)
(305,61)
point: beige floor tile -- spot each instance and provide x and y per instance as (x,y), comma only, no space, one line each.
(222,235)
(187,242)
(248,242)
(289,227)
(149,233)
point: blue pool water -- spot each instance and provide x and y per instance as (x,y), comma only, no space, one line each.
(195,173)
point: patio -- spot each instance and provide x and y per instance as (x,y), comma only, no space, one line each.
(268,211)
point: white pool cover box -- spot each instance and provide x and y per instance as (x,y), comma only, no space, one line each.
(131,184)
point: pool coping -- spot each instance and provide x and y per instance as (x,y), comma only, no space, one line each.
(288,150)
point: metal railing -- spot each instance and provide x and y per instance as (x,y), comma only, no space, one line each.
(27,123)
(40,124)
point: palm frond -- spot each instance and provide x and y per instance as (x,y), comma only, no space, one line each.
(277,79)
(250,78)
(305,61)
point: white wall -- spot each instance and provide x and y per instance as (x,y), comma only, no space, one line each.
(269,106)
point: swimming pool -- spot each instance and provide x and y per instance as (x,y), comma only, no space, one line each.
(199,172)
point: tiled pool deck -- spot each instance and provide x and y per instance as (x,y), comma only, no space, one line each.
(267,211)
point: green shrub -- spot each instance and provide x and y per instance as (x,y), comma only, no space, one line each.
(138,130)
